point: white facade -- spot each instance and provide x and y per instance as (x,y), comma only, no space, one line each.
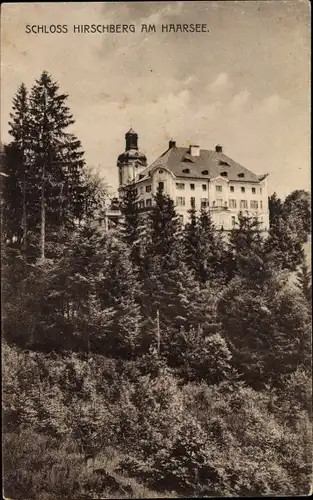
(223,197)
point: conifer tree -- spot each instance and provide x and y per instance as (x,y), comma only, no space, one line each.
(18,158)
(266,328)
(165,227)
(276,209)
(204,247)
(58,160)
(118,288)
(246,249)
(191,237)
(283,246)
(132,227)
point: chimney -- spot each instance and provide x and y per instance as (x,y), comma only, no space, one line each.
(171,144)
(194,150)
(218,148)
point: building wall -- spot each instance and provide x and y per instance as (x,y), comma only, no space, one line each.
(224,198)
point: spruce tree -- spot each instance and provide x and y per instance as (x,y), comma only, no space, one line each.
(132,226)
(283,246)
(266,327)
(212,249)
(58,161)
(276,209)
(246,250)
(118,289)
(165,227)
(19,157)
(204,247)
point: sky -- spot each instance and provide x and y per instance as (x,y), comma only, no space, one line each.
(244,84)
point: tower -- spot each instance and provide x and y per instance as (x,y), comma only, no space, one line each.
(130,163)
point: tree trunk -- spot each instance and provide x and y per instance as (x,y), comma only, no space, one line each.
(24,213)
(43,216)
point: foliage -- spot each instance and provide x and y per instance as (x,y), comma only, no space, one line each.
(171,355)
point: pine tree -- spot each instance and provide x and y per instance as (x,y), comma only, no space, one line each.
(118,289)
(276,209)
(204,248)
(191,237)
(58,160)
(132,226)
(246,250)
(283,246)
(19,157)
(266,328)
(165,227)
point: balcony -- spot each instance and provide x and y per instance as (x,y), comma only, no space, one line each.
(216,208)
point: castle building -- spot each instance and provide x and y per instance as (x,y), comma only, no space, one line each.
(208,178)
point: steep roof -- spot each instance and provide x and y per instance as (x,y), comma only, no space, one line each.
(179,161)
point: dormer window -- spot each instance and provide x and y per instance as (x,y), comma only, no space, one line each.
(188,159)
(186,171)
(205,172)
(221,162)
(160,171)
(241,174)
(141,176)
(224,174)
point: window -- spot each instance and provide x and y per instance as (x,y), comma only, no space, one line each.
(260,190)
(186,171)
(243,204)
(203,187)
(241,175)
(192,201)
(261,204)
(141,190)
(181,218)
(192,187)
(141,204)
(180,185)
(253,190)
(233,221)
(204,202)
(219,202)
(180,201)
(148,202)
(243,190)
(254,204)
(219,188)
(232,203)
(160,171)
(224,174)
(148,189)
(205,172)
(161,186)
(232,189)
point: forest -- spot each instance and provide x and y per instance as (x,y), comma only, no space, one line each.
(154,359)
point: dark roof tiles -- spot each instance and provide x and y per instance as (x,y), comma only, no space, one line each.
(211,161)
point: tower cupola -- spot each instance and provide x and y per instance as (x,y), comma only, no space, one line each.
(131,140)
(130,163)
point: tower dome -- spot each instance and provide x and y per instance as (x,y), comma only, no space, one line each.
(131,162)
(131,140)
